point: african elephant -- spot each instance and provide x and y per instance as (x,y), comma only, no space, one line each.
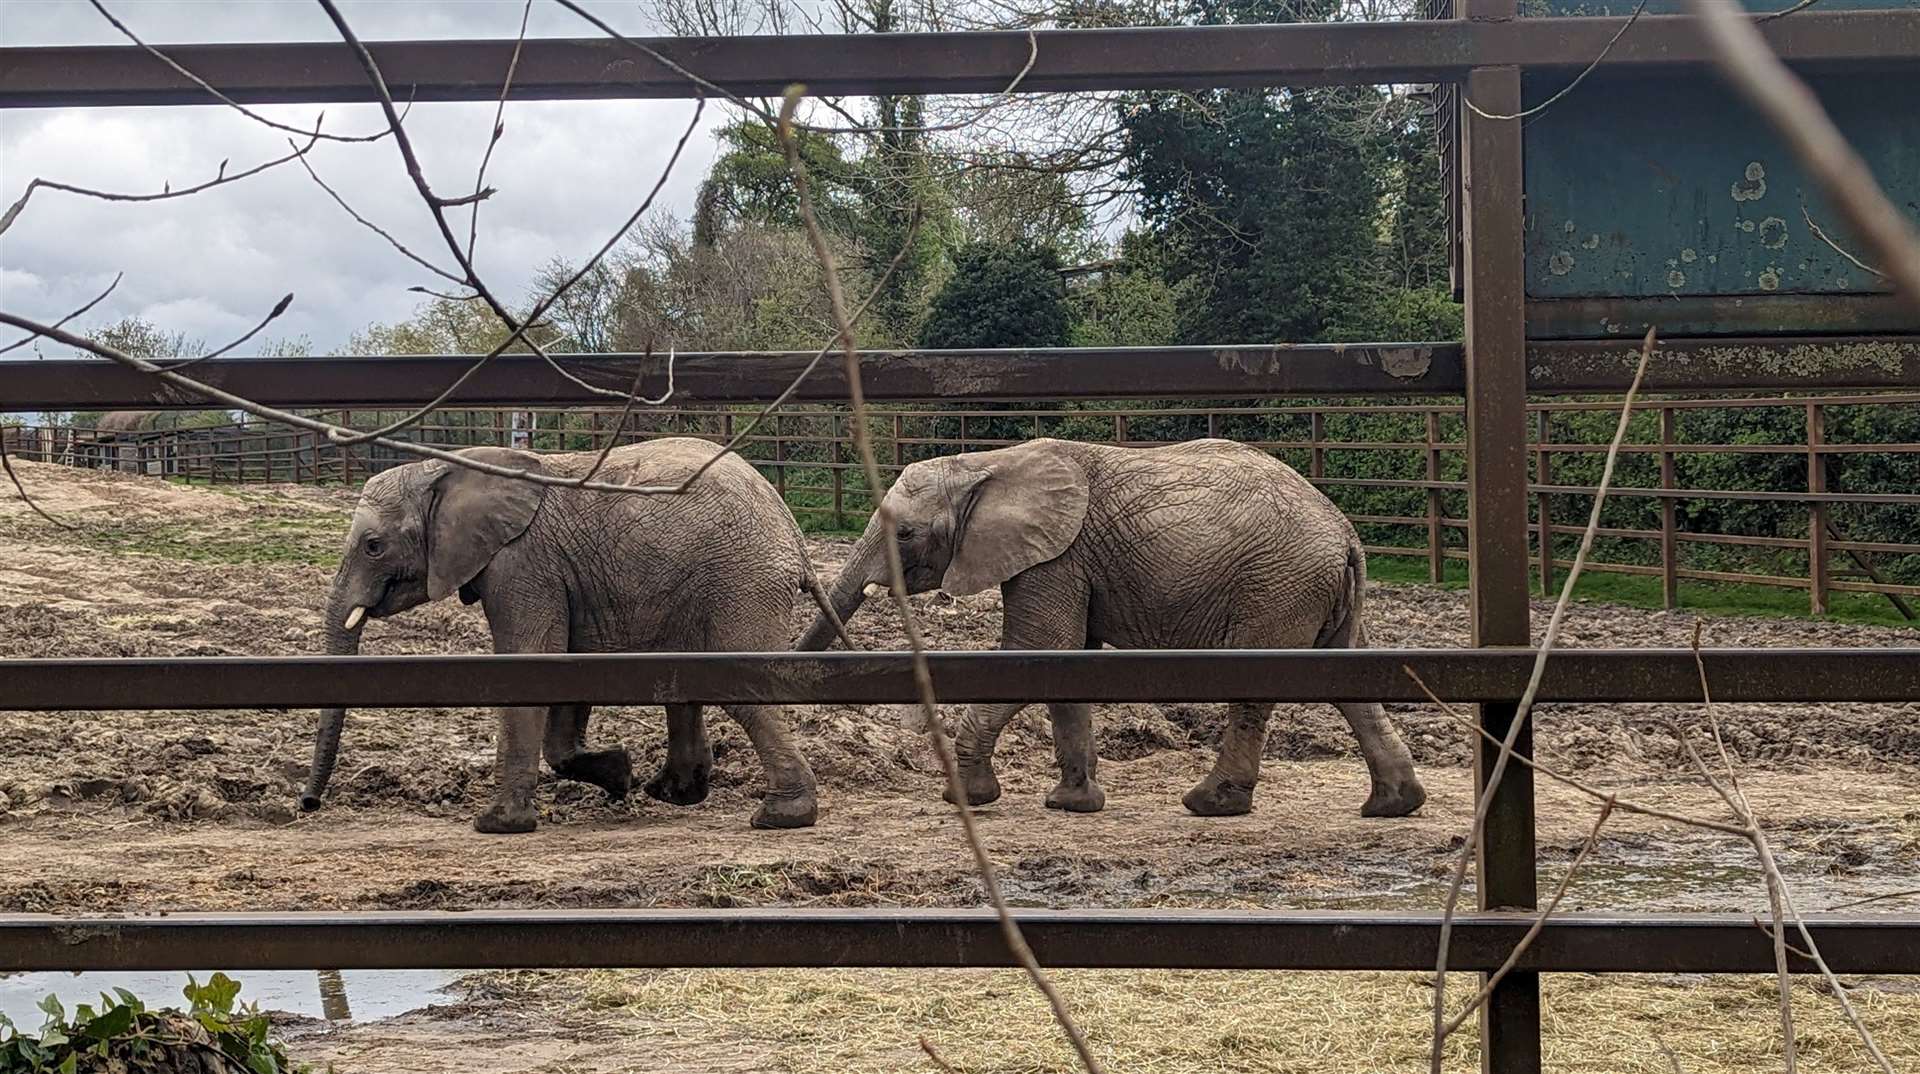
(575,570)
(1201,545)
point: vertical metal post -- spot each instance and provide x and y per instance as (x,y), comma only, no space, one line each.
(779,456)
(1436,545)
(898,458)
(1497,516)
(1816,511)
(1543,474)
(1669,511)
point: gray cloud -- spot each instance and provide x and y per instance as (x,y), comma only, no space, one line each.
(211,265)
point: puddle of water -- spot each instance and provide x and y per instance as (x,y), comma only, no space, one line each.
(336,995)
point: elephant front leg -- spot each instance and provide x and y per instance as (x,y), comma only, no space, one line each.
(568,756)
(974,745)
(1227,791)
(1396,789)
(1073,748)
(789,801)
(515,768)
(685,776)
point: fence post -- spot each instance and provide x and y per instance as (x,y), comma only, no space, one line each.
(1213,424)
(839,474)
(1543,471)
(1316,432)
(897,456)
(779,456)
(1816,511)
(1493,263)
(1669,517)
(1436,544)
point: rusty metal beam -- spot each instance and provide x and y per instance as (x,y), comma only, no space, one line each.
(1464,675)
(778,937)
(1228,371)
(972,62)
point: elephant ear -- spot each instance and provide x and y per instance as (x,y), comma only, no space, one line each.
(1025,507)
(475,515)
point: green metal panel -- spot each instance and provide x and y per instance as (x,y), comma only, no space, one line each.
(1666,200)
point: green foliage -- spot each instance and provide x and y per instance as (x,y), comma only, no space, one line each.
(1000,296)
(122,1034)
(441,326)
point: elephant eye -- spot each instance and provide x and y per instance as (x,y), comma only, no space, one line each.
(374,546)
(904,531)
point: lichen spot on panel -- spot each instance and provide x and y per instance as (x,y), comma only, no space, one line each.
(1753,185)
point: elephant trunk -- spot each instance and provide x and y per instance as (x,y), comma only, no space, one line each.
(848,592)
(342,640)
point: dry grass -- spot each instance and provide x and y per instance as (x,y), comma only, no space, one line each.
(991,1022)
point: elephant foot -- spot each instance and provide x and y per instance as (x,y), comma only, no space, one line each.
(981,784)
(504,819)
(609,770)
(1085,797)
(786,810)
(1214,797)
(1394,799)
(681,786)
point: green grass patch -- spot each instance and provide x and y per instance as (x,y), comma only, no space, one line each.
(303,540)
(1642,591)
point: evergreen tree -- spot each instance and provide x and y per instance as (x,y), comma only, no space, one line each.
(1000,296)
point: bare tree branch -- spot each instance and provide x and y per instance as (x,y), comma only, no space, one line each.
(219,179)
(897,585)
(1796,115)
(278,309)
(1524,711)
(6,462)
(498,129)
(62,322)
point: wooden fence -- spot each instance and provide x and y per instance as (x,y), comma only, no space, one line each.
(807,453)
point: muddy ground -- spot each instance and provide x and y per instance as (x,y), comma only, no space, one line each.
(186,810)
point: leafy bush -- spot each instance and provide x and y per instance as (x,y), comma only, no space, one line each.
(213,1036)
(1001,295)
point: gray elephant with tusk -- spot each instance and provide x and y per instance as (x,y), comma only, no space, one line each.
(574,570)
(1202,545)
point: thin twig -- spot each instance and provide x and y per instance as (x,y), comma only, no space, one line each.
(6,462)
(221,179)
(944,1066)
(278,309)
(62,322)
(913,226)
(221,97)
(633,396)
(1539,922)
(1780,96)
(1571,86)
(1770,16)
(1784,912)
(499,128)
(1523,713)
(378,230)
(1624,805)
(897,585)
(1837,248)
(301,421)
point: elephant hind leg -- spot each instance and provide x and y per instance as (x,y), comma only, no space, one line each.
(1396,789)
(1228,789)
(1073,748)
(789,801)
(568,756)
(687,772)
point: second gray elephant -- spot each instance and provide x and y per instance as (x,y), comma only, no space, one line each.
(1202,545)
(561,570)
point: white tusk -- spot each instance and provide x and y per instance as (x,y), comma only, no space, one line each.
(354,617)
(873,589)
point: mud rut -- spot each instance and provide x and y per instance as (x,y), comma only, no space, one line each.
(184,810)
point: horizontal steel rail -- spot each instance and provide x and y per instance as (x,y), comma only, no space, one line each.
(1333,369)
(1465,675)
(1188,57)
(1103,939)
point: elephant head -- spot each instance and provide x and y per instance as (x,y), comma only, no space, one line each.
(965,523)
(420,532)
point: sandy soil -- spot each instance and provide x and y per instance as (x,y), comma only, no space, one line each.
(178,810)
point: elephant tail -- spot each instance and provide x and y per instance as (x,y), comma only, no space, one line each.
(1345,627)
(810,581)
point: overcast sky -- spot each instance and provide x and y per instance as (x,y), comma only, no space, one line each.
(213,264)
